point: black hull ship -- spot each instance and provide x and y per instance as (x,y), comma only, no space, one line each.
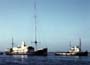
(26,50)
(42,52)
(74,51)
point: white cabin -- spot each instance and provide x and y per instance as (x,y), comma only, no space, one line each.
(22,49)
(75,49)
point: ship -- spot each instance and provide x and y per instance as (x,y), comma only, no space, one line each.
(73,51)
(23,49)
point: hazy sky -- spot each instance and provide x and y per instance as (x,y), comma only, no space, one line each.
(59,22)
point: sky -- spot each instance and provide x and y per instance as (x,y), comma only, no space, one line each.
(58,23)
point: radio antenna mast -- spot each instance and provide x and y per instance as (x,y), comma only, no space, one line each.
(35,21)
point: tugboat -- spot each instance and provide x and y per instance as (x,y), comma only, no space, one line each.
(74,51)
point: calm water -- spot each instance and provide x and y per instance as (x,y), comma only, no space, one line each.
(40,60)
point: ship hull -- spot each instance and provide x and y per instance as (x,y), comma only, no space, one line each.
(72,54)
(82,54)
(42,52)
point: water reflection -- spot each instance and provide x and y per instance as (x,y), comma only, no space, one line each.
(20,58)
(40,60)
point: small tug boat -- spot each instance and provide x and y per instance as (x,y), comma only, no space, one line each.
(74,51)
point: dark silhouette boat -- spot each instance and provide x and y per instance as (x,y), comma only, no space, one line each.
(74,51)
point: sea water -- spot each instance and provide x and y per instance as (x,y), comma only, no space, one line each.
(44,60)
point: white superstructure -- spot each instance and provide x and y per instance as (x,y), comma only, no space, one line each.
(74,49)
(22,49)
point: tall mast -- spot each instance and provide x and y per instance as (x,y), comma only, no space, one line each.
(80,44)
(70,44)
(35,21)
